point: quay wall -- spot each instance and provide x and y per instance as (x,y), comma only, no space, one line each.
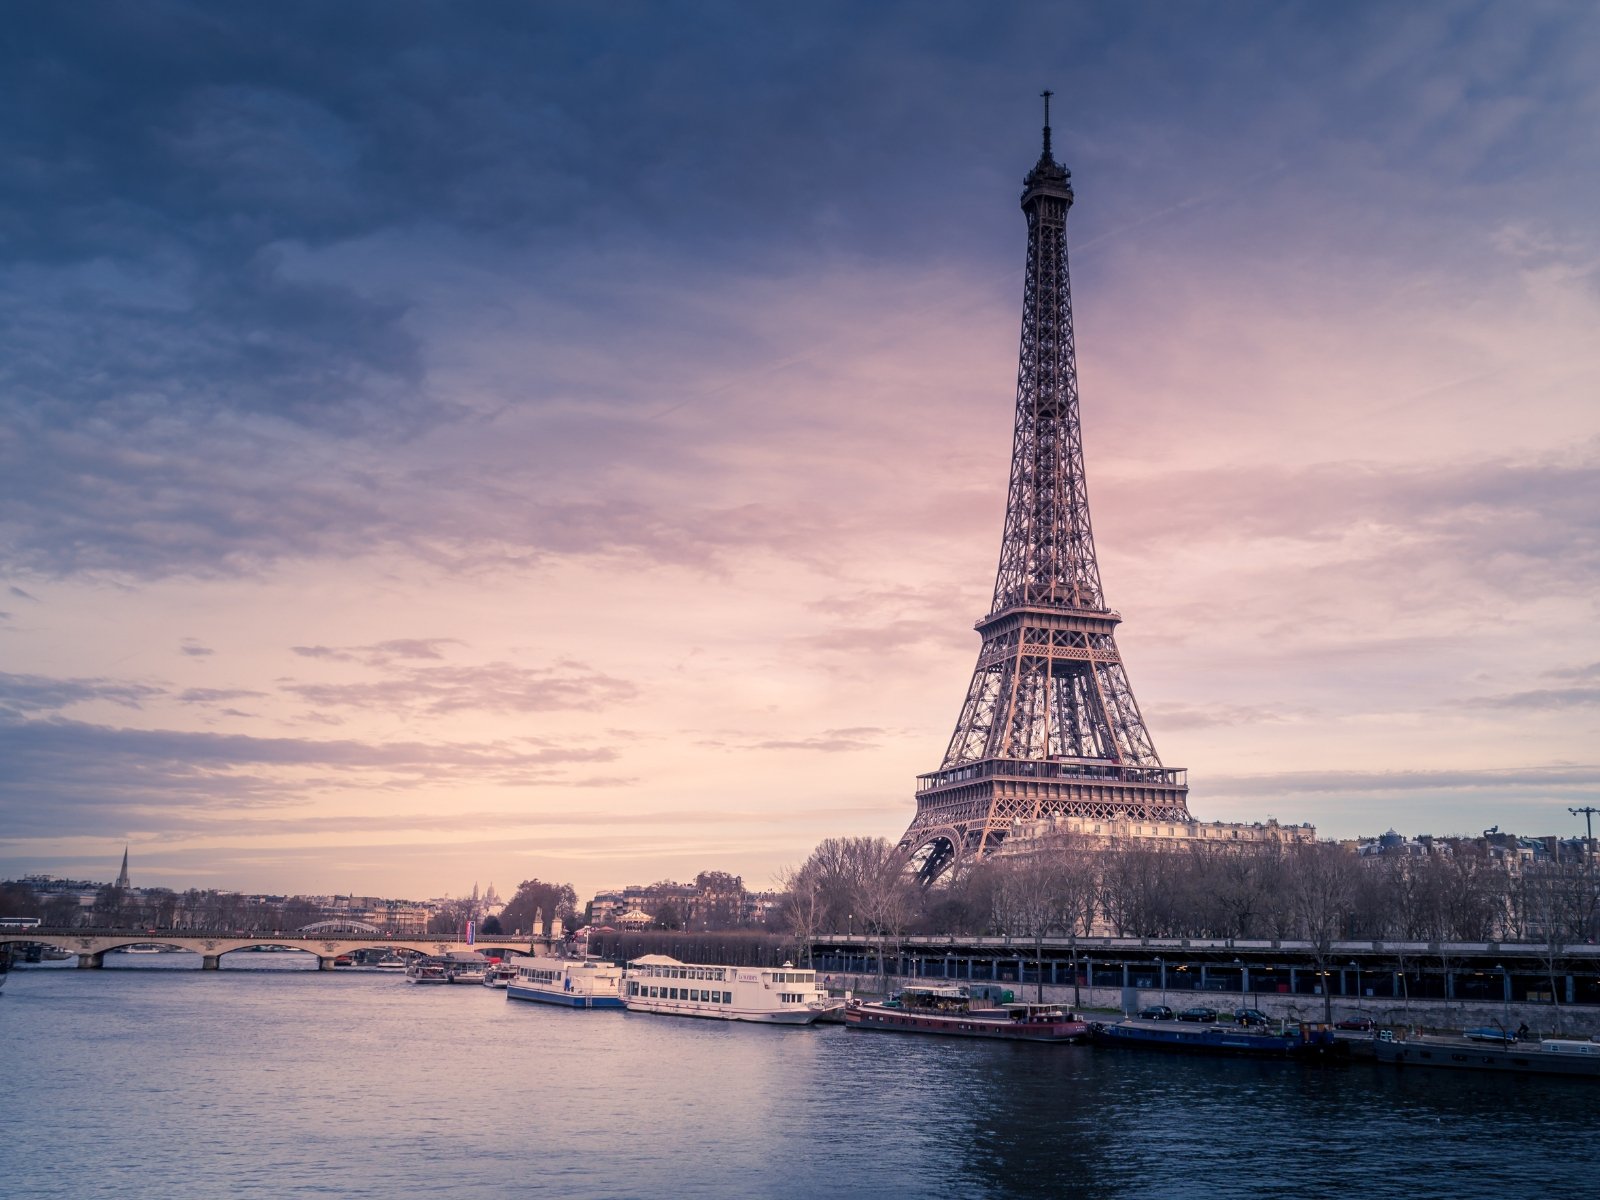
(1545,1020)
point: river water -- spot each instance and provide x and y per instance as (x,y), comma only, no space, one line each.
(266,1079)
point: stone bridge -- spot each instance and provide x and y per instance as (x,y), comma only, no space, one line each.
(92,945)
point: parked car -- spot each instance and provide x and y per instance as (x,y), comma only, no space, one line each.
(1361,1023)
(1156,1012)
(1250,1016)
(1198,1013)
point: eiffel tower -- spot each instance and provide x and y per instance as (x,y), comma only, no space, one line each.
(1049,726)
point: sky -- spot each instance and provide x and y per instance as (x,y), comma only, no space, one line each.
(452,443)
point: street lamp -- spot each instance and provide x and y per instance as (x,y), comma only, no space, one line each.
(1357,966)
(1505,997)
(1161,966)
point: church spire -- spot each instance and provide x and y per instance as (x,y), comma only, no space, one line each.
(122,879)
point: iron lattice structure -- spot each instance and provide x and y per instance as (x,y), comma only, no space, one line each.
(1049,726)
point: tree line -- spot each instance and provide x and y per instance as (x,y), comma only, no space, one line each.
(1312,891)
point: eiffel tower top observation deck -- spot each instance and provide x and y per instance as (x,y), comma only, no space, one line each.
(1049,726)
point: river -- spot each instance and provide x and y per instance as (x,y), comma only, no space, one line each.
(266,1079)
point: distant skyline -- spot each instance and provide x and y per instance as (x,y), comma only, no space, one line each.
(451,442)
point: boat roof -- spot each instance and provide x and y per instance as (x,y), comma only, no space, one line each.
(657,960)
(555,960)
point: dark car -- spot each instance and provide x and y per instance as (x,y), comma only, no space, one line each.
(1198,1013)
(1250,1016)
(1156,1012)
(1362,1023)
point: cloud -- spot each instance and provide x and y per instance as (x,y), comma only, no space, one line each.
(216,695)
(690,356)
(492,687)
(830,741)
(1591,671)
(25,694)
(1539,698)
(71,777)
(1170,716)
(380,654)
(1554,778)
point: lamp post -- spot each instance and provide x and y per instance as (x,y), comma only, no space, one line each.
(1357,966)
(1161,967)
(1405,996)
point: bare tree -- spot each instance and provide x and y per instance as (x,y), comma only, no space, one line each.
(1137,890)
(1034,898)
(803,907)
(883,895)
(1323,886)
(860,879)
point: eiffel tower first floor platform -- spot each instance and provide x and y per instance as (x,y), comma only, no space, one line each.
(964,812)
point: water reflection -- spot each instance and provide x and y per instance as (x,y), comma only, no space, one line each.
(284,1081)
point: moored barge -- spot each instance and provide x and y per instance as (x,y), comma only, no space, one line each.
(949,1012)
(1553,1056)
(1293,1042)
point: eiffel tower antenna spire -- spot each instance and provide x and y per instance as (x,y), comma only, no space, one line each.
(1049,726)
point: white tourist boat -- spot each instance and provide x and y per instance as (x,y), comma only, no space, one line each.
(499,975)
(569,982)
(769,995)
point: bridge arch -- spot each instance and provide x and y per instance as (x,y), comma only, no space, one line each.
(342,925)
(934,856)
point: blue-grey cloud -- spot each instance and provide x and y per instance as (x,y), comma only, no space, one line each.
(26,694)
(217,227)
(71,777)
(216,695)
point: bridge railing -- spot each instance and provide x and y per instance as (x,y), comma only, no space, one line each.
(156,933)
